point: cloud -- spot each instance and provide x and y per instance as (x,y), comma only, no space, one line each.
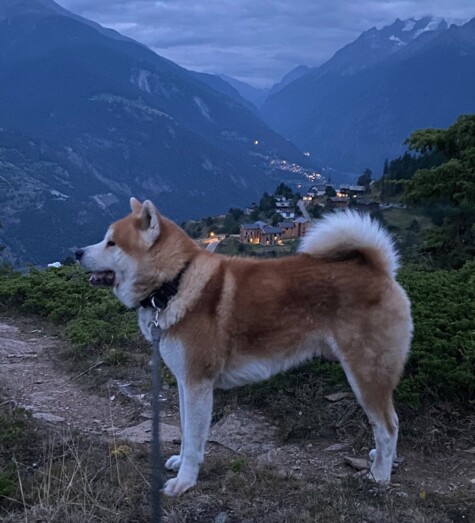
(254,40)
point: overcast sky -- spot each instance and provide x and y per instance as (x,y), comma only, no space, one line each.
(256,41)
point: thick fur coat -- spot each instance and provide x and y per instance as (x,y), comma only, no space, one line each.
(235,320)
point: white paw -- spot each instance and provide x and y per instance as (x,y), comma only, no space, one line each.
(378,475)
(396,461)
(173,463)
(175,487)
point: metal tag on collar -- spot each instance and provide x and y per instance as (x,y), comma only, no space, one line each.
(155,320)
(157,311)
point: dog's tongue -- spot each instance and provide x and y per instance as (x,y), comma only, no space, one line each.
(102,279)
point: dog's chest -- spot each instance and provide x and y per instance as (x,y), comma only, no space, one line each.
(171,349)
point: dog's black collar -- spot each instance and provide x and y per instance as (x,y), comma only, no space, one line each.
(159,298)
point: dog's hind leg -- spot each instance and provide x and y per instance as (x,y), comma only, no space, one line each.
(374,389)
(385,425)
(198,403)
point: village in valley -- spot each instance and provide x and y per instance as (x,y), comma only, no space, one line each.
(296,215)
(285,216)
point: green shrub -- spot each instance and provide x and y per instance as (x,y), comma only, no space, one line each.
(441,363)
(442,359)
(92,317)
(13,425)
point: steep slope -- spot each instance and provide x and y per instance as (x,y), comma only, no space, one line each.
(255,95)
(142,124)
(45,198)
(358,108)
(219,84)
(291,76)
(377,45)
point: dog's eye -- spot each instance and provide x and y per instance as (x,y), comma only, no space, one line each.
(110,243)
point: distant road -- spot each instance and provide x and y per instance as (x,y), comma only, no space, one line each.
(301,206)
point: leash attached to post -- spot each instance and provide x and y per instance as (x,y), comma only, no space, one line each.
(155,455)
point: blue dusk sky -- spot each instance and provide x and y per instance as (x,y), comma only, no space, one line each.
(255,41)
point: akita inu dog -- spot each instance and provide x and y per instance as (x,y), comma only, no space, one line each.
(232,321)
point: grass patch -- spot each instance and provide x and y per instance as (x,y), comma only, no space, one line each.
(265,494)
(410,228)
(17,438)
(63,477)
(399,219)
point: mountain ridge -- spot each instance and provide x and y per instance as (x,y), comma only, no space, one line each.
(355,118)
(135,122)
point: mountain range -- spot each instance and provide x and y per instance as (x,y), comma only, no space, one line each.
(89,117)
(357,109)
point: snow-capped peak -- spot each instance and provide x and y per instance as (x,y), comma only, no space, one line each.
(401,32)
(409,24)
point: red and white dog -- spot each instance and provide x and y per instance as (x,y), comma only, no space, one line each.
(224,325)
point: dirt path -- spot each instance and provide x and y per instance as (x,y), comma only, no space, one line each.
(31,379)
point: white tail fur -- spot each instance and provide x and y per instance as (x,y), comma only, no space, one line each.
(347,231)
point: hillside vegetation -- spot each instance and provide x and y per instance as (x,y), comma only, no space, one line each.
(442,360)
(438,175)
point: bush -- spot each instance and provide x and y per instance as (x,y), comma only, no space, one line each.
(92,318)
(441,363)
(442,359)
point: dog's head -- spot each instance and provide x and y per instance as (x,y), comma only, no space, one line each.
(138,253)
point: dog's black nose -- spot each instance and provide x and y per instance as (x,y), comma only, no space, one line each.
(79,254)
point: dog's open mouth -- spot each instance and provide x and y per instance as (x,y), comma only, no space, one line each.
(102,279)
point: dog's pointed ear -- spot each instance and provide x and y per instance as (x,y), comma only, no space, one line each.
(135,205)
(149,222)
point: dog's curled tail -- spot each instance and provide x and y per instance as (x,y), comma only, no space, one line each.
(342,234)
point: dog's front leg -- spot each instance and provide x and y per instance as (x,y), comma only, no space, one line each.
(198,403)
(174,462)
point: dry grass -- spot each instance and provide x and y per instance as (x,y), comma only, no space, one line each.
(255,493)
(67,478)
(79,481)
